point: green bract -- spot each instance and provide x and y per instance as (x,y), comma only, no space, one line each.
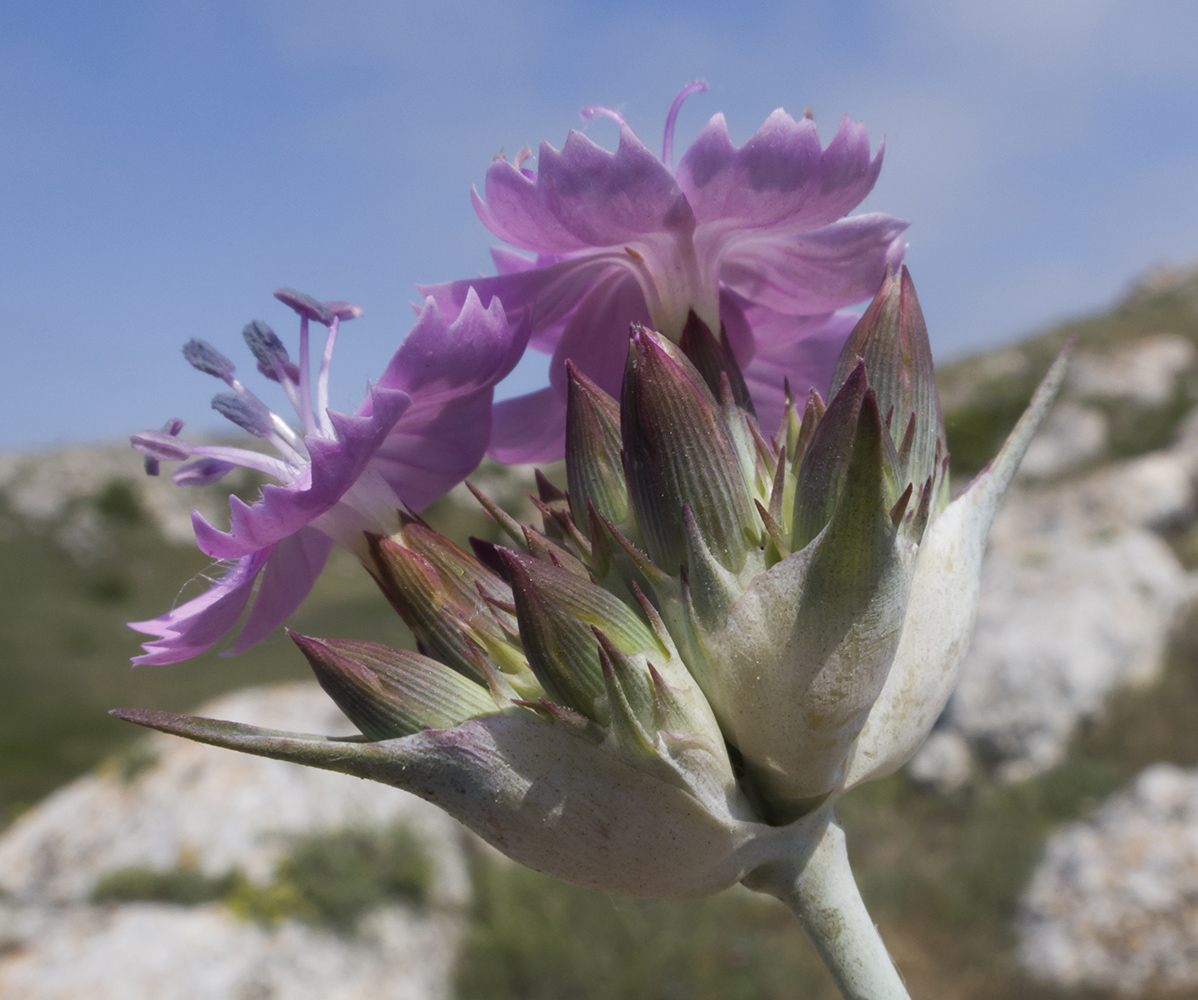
(663,689)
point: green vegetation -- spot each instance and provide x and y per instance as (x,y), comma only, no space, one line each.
(67,648)
(183,886)
(334,878)
(331,877)
(535,938)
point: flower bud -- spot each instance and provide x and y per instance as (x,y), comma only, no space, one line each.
(452,603)
(892,340)
(594,472)
(389,693)
(677,453)
(713,359)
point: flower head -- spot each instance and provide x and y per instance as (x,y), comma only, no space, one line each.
(750,241)
(714,634)
(423,426)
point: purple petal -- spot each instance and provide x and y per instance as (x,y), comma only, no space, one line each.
(434,447)
(193,627)
(541,298)
(450,372)
(336,466)
(582,197)
(596,336)
(800,349)
(814,272)
(779,175)
(439,360)
(532,428)
(529,428)
(509,261)
(290,571)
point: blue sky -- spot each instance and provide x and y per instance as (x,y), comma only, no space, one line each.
(164,166)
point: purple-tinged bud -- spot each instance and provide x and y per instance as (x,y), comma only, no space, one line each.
(892,339)
(202,472)
(561,650)
(248,414)
(860,532)
(826,461)
(305,305)
(389,693)
(450,601)
(594,471)
(203,356)
(713,359)
(677,453)
(272,357)
(557,611)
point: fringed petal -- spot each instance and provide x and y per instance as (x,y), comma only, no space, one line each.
(198,624)
(290,571)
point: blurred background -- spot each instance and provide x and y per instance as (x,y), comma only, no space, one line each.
(164,167)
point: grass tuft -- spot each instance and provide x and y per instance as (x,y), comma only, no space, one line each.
(183,886)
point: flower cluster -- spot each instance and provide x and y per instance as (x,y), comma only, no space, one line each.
(710,638)
(745,602)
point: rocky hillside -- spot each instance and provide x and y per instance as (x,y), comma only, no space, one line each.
(1042,845)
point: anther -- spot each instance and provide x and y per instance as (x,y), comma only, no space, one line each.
(248,414)
(203,356)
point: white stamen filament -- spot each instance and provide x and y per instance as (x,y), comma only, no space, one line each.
(291,455)
(266,464)
(305,381)
(322,380)
(287,383)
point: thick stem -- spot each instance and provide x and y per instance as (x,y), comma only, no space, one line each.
(823,895)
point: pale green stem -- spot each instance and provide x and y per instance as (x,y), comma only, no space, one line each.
(823,895)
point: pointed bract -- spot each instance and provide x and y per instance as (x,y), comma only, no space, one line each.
(540,792)
(942,605)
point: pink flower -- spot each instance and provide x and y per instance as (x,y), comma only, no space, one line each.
(422,428)
(751,239)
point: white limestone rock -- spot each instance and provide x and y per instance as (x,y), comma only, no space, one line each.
(1114,902)
(1145,371)
(43,487)
(1071,436)
(945,762)
(193,805)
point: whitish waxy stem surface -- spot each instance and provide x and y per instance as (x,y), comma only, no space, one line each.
(821,892)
